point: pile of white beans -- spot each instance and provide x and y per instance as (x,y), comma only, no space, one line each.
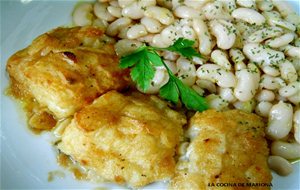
(252,51)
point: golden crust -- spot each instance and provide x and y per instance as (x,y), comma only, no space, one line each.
(125,139)
(226,147)
(66,69)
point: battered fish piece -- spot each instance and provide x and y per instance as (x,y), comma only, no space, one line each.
(66,69)
(225,147)
(128,139)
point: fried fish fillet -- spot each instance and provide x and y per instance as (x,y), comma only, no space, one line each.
(125,139)
(226,148)
(66,69)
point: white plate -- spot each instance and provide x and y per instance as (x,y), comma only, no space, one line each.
(26,158)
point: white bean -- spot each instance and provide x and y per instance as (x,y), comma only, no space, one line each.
(270,83)
(114,3)
(290,90)
(280,165)
(262,55)
(271,70)
(280,98)
(205,45)
(133,11)
(188,32)
(186,71)
(114,28)
(280,81)
(229,5)
(123,31)
(185,12)
(265,33)
(294,19)
(285,149)
(169,35)
(146,39)
(172,66)
(244,28)
(280,120)
(248,15)
(247,85)
(265,5)
(160,78)
(274,19)
(239,66)
(253,68)
(288,71)
(136,31)
(295,99)
(115,11)
(296,62)
(176,3)
(263,108)
(224,33)
(125,46)
(216,73)
(292,51)
(199,90)
(82,14)
(214,10)
(146,3)
(246,3)
(236,55)
(158,42)
(283,7)
(281,40)
(152,25)
(100,10)
(169,55)
(196,4)
(247,106)
(297,125)
(216,102)
(297,42)
(238,58)
(207,84)
(125,3)
(265,95)
(220,58)
(186,21)
(161,14)
(198,61)
(227,94)
(100,23)
(164,3)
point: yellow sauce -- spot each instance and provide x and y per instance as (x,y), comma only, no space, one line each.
(38,118)
(66,162)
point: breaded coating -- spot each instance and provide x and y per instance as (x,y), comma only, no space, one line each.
(128,139)
(66,69)
(226,148)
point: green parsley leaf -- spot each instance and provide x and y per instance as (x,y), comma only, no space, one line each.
(143,73)
(170,91)
(190,98)
(185,48)
(142,63)
(132,59)
(154,58)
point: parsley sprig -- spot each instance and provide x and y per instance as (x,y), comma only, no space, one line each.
(142,62)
